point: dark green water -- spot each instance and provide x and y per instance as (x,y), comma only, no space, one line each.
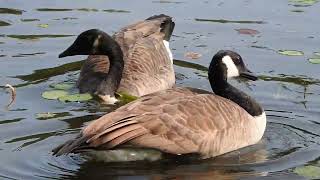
(33,33)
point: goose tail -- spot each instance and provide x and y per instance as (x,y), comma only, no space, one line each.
(72,146)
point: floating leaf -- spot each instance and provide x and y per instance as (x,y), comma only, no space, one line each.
(54,94)
(290,52)
(304,2)
(43,25)
(51,115)
(75,98)
(250,32)
(62,86)
(308,171)
(29,20)
(46,115)
(317,53)
(125,98)
(192,55)
(314,60)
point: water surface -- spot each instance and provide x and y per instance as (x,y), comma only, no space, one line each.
(33,33)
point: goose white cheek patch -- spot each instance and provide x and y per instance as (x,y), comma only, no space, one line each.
(232,70)
(166,44)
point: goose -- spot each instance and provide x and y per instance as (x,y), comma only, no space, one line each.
(136,60)
(181,120)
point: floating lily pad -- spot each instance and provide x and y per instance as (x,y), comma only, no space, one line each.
(43,25)
(317,53)
(314,60)
(304,2)
(246,31)
(46,115)
(62,86)
(308,171)
(51,115)
(290,52)
(75,98)
(125,98)
(192,55)
(54,94)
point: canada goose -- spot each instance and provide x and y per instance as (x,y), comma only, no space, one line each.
(182,120)
(139,57)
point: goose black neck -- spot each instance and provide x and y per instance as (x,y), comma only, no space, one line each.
(112,49)
(220,86)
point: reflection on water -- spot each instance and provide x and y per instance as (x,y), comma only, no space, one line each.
(11,11)
(228,21)
(36,37)
(82,9)
(288,87)
(3,23)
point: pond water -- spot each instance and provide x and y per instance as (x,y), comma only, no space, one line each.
(33,33)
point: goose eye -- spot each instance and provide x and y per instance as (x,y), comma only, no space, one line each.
(237,61)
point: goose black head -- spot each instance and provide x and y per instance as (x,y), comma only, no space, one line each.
(229,64)
(89,42)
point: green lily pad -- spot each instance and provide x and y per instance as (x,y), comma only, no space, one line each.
(75,98)
(62,86)
(317,53)
(290,52)
(314,60)
(54,94)
(308,171)
(125,98)
(43,25)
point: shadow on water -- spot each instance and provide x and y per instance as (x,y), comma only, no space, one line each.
(36,37)
(83,10)
(3,23)
(11,11)
(229,21)
(42,75)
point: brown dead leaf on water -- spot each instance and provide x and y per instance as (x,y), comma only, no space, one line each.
(245,31)
(192,55)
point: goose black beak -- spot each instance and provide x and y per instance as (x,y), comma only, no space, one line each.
(71,51)
(67,52)
(248,75)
